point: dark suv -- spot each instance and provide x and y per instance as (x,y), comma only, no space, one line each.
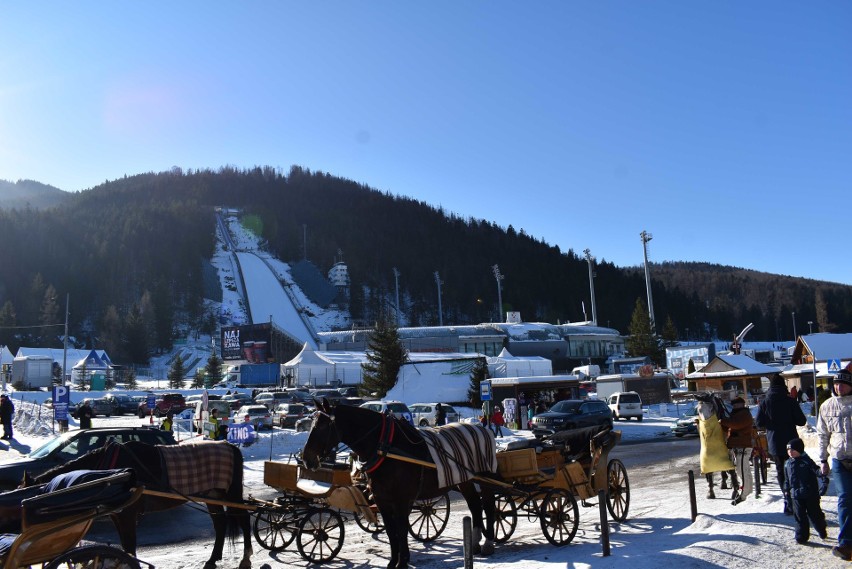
(572,414)
(74,444)
(173,402)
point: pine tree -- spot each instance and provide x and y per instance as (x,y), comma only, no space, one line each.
(130,379)
(82,378)
(136,337)
(477,375)
(669,333)
(213,371)
(385,357)
(176,373)
(642,341)
(200,379)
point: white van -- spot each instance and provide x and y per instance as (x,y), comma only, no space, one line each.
(625,404)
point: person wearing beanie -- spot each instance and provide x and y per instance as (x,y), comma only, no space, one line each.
(834,434)
(803,488)
(779,415)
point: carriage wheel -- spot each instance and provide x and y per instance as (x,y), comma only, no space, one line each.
(274,530)
(94,557)
(367,525)
(559,516)
(320,535)
(428,518)
(618,490)
(505,518)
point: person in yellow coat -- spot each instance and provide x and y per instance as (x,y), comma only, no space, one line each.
(715,456)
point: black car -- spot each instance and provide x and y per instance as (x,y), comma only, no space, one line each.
(74,444)
(572,414)
(122,404)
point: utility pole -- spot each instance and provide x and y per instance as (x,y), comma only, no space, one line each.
(589,260)
(305,239)
(440,312)
(645,238)
(65,339)
(794,327)
(497,275)
(396,279)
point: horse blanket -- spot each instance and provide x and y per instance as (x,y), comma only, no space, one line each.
(460,451)
(714,450)
(198,467)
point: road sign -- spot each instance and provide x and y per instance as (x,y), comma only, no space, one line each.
(485,391)
(834,366)
(61,399)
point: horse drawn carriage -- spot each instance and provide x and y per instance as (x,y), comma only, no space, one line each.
(54,521)
(545,482)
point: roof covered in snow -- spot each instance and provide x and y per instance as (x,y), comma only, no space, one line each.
(733,366)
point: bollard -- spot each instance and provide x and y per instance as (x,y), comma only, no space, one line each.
(604,523)
(757,477)
(467,540)
(692,502)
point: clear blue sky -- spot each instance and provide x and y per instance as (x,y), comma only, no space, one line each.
(723,128)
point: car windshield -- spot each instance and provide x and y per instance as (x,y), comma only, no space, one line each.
(449,409)
(52,444)
(566,407)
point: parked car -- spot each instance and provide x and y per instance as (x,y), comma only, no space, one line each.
(191,399)
(289,413)
(261,417)
(572,414)
(164,403)
(74,444)
(399,409)
(121,403)
(272,399)
(304,424)
(334,396)
(100,407)
(626,404)
(237,400)
(424,414)
(348,391)
(687,424)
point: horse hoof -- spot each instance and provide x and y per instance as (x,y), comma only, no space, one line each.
(723,486)
(710,496)
(487,548)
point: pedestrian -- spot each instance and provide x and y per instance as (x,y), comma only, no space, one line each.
(780,415)
(213,419)
(498,421)
(7,409)
(486,412)
(440,415)
(739,436)
(530,415)
(794,393)
(85,414)
(834,434)
(803,486)
(168,422)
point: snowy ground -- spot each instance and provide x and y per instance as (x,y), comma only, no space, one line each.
(658,532)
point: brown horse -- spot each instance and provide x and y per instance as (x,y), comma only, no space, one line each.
(209,470)
(395,484)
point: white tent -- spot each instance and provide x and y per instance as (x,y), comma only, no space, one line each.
(315,369)
(507,365)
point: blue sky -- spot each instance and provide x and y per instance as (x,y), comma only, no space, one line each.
(724,129)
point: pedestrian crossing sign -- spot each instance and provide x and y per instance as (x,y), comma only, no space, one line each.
(833,366)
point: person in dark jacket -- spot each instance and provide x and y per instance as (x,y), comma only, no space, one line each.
(780,415)
(803,488)
(7,409)
(84,415)
(440,415)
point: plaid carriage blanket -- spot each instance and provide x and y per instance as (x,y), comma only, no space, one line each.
(198,467)
(460,451)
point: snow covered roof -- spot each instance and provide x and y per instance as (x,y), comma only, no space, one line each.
(733,366)
(533,379)
(824,346)
(73,355)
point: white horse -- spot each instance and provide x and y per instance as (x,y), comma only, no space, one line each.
(715,456)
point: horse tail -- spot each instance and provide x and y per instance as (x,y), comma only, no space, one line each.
(234,516)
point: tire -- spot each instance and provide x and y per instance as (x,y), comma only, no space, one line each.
(424,423)
(559,516)
(505,518)
(639,418)
(274,530)
(94,557)
(618,490)
(428,518)
(320,535)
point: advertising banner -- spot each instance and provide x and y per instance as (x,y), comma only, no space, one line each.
(250,342)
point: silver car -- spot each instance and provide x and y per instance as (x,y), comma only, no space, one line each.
(261,417)
(425,414)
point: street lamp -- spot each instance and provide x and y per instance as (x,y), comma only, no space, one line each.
(497,275)
(645,238)
(810,330)
(589,260)
(65,339)
(440,312)
(794,326)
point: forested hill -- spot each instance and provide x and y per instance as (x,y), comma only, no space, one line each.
(132,252)
(30,194)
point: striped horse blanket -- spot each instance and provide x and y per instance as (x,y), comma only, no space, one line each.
(196,468)
(460,451)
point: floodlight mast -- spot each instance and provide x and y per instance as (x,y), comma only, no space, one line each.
(589,260)
(440,311)
(497,275)
(396,279)
(645,238)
